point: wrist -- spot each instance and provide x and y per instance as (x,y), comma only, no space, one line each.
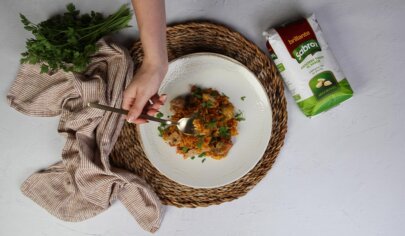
(159,65)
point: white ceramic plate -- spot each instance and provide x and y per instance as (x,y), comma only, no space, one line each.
(226,75)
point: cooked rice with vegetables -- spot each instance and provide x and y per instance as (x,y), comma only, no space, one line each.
(215,124)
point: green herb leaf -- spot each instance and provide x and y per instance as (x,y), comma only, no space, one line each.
(159,114)
(214,94)
(202,154)
(200,141)
(207,104)
(212,124)
(197,92)
(44,68)
(185,149)
(192,158)
(161,128)
(243,98)
(224,132)
(24,20)
(67,41)
(70,7)
(239,116)
(203,160)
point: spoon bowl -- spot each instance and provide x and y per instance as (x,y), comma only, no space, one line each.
(186,126)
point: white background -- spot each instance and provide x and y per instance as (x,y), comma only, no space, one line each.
(341,173)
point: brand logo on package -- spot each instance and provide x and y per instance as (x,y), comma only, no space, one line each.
(299,39)
(309,47)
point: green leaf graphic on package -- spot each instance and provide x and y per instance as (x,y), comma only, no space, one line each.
(323,84)
(306,48)
(313,106)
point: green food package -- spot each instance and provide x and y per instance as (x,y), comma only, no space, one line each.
(307,66)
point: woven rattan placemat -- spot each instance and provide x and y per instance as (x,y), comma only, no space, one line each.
(195,37)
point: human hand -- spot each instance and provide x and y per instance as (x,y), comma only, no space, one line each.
(144,86)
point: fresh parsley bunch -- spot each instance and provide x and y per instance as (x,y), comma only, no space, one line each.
(68,40)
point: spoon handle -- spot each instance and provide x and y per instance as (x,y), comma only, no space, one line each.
(125,112)
(152,118)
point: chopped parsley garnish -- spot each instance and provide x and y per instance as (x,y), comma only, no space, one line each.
(200,141)
(207,104)
(243,98)
(192,158)
(224,131)
(159,114)
(203,154)
(161,129)
(203,160)
(212,124)
(197,92)
(197,95)
(185,149)
(239,116)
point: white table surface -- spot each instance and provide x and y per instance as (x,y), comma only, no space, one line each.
(341,173)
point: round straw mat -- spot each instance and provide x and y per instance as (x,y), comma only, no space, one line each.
(195,37)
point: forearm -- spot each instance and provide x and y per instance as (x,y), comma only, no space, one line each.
(151,18)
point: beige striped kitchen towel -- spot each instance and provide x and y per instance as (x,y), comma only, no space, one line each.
(84,183)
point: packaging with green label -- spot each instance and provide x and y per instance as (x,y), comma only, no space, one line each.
(307,66)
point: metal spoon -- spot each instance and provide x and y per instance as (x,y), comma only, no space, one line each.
(185,125)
